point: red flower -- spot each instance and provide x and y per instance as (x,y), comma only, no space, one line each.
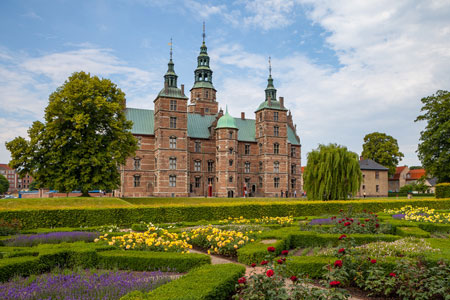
(351,220)
(367,220)
(242,280)
(264,262)
(373,261)
(280,261)
(342,237)
(377,225)
(340,222)
(270,273)
(294,278)
(359,223)
(363,225)
(271,249)
(253,265)
(335,283)
(338,263)
(285,252)
(347,224)
(284,258)
(340,210)
(392,274)
(342,250)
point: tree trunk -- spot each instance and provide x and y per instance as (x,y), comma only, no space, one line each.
(85,194)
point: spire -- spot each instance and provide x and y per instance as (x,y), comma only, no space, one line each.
(171,77)
(204,35)
(271,92)
(203,73)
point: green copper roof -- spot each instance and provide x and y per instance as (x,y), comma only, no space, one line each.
(273,105)
(226,121)
(173,92)
(198,125)
(203,84)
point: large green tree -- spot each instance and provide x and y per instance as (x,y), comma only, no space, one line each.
(434,149)
(332,172)
(83,140)
(383,149)
(4,184)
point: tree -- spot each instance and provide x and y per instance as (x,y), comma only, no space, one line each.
(434,149)
(4,184)
(33,186)
(83,140)
(332,172)
(415,167)
(383,149)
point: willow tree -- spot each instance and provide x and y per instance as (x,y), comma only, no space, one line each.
(332,173)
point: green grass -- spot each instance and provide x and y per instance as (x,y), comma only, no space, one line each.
(59,203)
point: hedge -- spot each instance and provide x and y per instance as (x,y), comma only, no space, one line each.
(405,194)
(443,190)
(209,282)
(313,266)
(434,227)
(412,231)
(169,214)
(151,261)
(257,252)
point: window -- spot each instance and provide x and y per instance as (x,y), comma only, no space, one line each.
(276,130)
(197,182)
(377,187)
(292,151)
(137,180)
(260,148)
(173,122)
(230,179)
(230,150)
(172,163)
(293,181)
(276,167)
(198,147)
(156,180)
(137,163)
(377,175)
(275,116)
(247,167)
(247,182)
(260,181)
(230,135)
(276,182)
(260,166)
(173,104)
(276,148)
(260,117)
(207,94)
(293,169)
(172,180)
(156,163)
(247,149)
(364,187)
(211,181)
(260,131)
(197,165)
(230,162)
(139,141)
(210,166)
(173,142)
(206,110)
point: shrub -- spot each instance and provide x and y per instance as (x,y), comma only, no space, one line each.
(9,227)
(256,252)
(443,190)
(19,266)
(412,231)
(313,266)
(51,238)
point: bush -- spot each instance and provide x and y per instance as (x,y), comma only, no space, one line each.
(151,261)
(256,252)
(211,282)
(9,227)
(170,214)
(443,190)
(313,266)
(433,227)
(412,231)
(19,266)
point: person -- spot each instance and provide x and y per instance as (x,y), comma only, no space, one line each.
(245,193)
(295,193)
(287,193)
(364,194)
(282,194)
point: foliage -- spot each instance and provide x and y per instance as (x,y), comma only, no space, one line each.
(332,173)
(50,238)
(411,231)
(84,138)
(443,190)
(33,186)
(433,149)
(9,227)
(283,221)
(4,184)
(409,246)
(383,149)
(82,284)
(407,188)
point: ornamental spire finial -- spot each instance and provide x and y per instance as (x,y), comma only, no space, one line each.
(170,48)
(204,35)
(270,68)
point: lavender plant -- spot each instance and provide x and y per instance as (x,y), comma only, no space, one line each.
(51,238)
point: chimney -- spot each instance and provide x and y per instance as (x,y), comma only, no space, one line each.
(243,115)
(182,89)
(361,158)
(269,101)
(282,102)
(166,87)
(202,111)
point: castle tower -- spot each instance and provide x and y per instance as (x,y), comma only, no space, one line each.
(171,141)
(227,157)
(203,93)
(271,136)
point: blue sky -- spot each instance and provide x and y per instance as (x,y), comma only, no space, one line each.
(345,69)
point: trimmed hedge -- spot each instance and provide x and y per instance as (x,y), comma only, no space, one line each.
(313,266)
(210,282)
(256,252)
(21,266)
(434,227)
(443,190)
(151,261)
(170,214)
(412,231)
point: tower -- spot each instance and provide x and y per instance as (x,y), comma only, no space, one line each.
(271,137)
(171,141)
(203,93)
(227,158)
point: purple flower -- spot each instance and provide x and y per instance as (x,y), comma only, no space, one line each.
(51,238)
(321,221)
(398,216)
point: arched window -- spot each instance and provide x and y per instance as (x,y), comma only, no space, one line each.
(230,162)
(173,163)
(230,135)
(173,142)
(247,167)
(276,167)
(260,166)
(230,150)
(137,163)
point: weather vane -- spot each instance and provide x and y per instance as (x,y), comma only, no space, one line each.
(170,48)
(204,32)
(270,67)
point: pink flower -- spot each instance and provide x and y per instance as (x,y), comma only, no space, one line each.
(294,278)
(334,283)
(270,273)
(271,249)
(285,252)
(338,263)
(392,274)
(242,280)
(373,261)
(342,237)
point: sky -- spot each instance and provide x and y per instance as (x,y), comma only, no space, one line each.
(345,68)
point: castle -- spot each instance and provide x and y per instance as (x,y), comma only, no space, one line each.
(191,148)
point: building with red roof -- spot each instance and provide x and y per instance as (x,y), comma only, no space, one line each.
(15,182)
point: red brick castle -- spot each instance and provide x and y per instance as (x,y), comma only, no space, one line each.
(188,147)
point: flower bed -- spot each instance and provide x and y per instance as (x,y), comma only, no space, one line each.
(283,221)
(84,284)
(419,214)
(51,238)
